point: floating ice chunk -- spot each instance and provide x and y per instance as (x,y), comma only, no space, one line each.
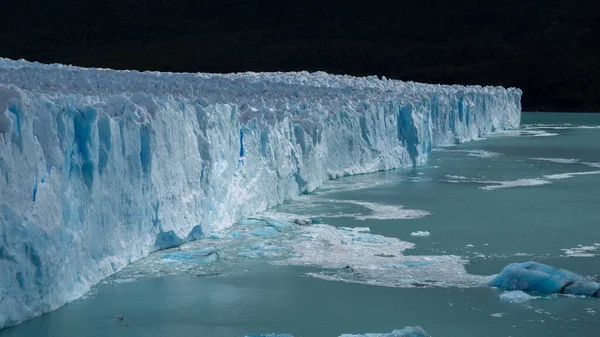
(472,153)
(525,133)
(514,183)
(408,331)
(208,255)
(565,126)
(582,251)
(558,160)
(532,276)
(456,177)
(355,229)
(420,233)
(387,212)
(516,296)
(498,314)
(265,231)
(570,175)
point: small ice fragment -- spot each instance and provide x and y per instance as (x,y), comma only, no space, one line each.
(498,314)
(408,331)
(265,231)
(516,296)
(469,246)
(420,233)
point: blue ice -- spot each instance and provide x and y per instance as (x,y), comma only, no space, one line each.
(536,277)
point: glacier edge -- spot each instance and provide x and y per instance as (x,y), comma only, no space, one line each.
(99,168)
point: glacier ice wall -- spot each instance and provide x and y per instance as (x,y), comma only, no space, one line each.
(98,168)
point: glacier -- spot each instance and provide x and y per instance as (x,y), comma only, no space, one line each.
(99,168)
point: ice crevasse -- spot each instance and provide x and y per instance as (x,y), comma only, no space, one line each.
(99,168)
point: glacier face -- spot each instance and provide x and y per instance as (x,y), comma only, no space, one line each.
(99,168)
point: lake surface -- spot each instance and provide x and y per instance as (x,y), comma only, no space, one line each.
(378,252)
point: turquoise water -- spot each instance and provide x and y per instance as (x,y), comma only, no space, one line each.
(526,195)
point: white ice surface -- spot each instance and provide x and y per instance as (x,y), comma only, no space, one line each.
(99,168)
(582,251)
(516,296)
(345,254)
(420,233)
(525,182)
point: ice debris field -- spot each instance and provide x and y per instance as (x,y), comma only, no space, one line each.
(408,331)
(100,168)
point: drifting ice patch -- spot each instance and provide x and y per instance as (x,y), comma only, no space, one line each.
(516,296)
(408,331)
(387,212)
(472,153)
(456,177)
(558,160)
(359,257)
(514,183)
(565,126)
(568,161)
(345,254)
(420,233)
(331,208)
(525,133)
(570,175)
(582,251)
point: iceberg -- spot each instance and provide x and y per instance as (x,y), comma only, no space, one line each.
(99,168)
(536,277)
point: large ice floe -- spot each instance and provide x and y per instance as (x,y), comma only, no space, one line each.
(99,168)
(344,254)
(544,279)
